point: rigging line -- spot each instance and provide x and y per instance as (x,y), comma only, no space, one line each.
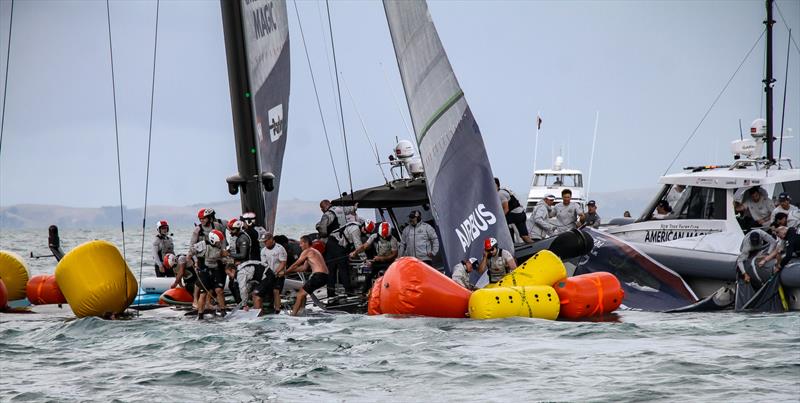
(339,93)
(149,141)
(364,127)
(715,102)
(5,84)
(327,57)
(791,38)
(116,127)
(785,85)
(316,94)
(396,102)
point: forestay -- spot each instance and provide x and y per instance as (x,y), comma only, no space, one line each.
(459,177)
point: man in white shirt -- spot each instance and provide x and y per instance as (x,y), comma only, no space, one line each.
(568,214)
(274,257)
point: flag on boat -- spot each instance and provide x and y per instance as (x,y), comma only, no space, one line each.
(538,122)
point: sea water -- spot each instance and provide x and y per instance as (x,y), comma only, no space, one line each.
(641,356)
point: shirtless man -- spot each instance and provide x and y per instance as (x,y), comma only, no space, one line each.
(310,258)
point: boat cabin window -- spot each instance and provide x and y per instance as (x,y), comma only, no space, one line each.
(691,203)
(558,180)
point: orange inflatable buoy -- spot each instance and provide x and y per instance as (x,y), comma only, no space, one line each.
(318,245)
(411,287)
(374,305)
(43,289)
(3,295)
(588,295)
(176,296)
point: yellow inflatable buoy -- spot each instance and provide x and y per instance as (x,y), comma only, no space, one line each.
(14,274)
(96,280)
(543,268)
(536,301)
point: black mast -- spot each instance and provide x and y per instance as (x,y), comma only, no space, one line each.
(769,81)
(249,179)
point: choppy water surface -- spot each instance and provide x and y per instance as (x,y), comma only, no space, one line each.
(643,356)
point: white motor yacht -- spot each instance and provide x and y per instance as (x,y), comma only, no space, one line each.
(553,181)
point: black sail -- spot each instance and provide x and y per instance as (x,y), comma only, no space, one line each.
(257,47)
(460,182)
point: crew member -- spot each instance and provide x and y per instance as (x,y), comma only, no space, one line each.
(419,239)
(759,206)
(274,257)
(241,252)
(773,256)
(185,275)
(755,245)
(592,218)
(498,261)
(675,194)
(210,270)
(309,259)
(792,249)
(779,219)
(162,245)
(663,210)
(385,252)
(208,222)
(785,206)
(567,213)
(539,223)
(462,271)
(513,210)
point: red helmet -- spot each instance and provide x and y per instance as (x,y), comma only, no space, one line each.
(369,226)
(215,237)
(234,224)
(169,260)
(162,223)
(489,243)
(205,212)
(384,230)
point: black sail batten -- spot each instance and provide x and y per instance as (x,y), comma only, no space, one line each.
(257,50)
(459,177)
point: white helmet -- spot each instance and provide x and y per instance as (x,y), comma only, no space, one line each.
(162,223)
(170,260)
(249,218)
(215,237)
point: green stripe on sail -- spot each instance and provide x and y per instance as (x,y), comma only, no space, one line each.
(439,112)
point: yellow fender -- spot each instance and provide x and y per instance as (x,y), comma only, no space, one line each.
(14,273)
(543,268)
(536,301)
(96,280)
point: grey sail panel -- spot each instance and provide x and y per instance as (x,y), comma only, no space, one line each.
(459,177)
(266,33)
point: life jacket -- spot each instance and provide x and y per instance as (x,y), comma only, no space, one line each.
(513,202)
(333,225)
(497,267)
(165,246)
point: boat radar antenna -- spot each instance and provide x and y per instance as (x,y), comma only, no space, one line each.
(404,157)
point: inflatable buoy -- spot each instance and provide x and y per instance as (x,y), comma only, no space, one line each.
(95,280)
(157,285)
(14,274)
(176,296)
(589,294)
(374,304)
(411,287)
(43,289)
(535,301)
(3,295)
(543,268)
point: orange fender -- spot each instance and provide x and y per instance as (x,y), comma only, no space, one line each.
(374,305)
(43,289)
(588,295)
(411,287)
(3,295)
(176,296)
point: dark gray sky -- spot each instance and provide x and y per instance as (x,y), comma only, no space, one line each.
(650,68)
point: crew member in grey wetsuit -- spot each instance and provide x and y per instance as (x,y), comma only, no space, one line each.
(162,245)
(208,222)
(568,214)
(592,218)
(419,239)
(539,223)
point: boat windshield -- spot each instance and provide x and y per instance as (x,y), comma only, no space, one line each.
(690,203)
(556,180)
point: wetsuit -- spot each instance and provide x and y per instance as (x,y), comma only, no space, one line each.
(210,270)
(383,248)
(162,245)
(498,265)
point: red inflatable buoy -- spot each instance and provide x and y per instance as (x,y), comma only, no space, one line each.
(176,296)
(374,305)
(411,287)
(43,289)
(588,295)
(3,295)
